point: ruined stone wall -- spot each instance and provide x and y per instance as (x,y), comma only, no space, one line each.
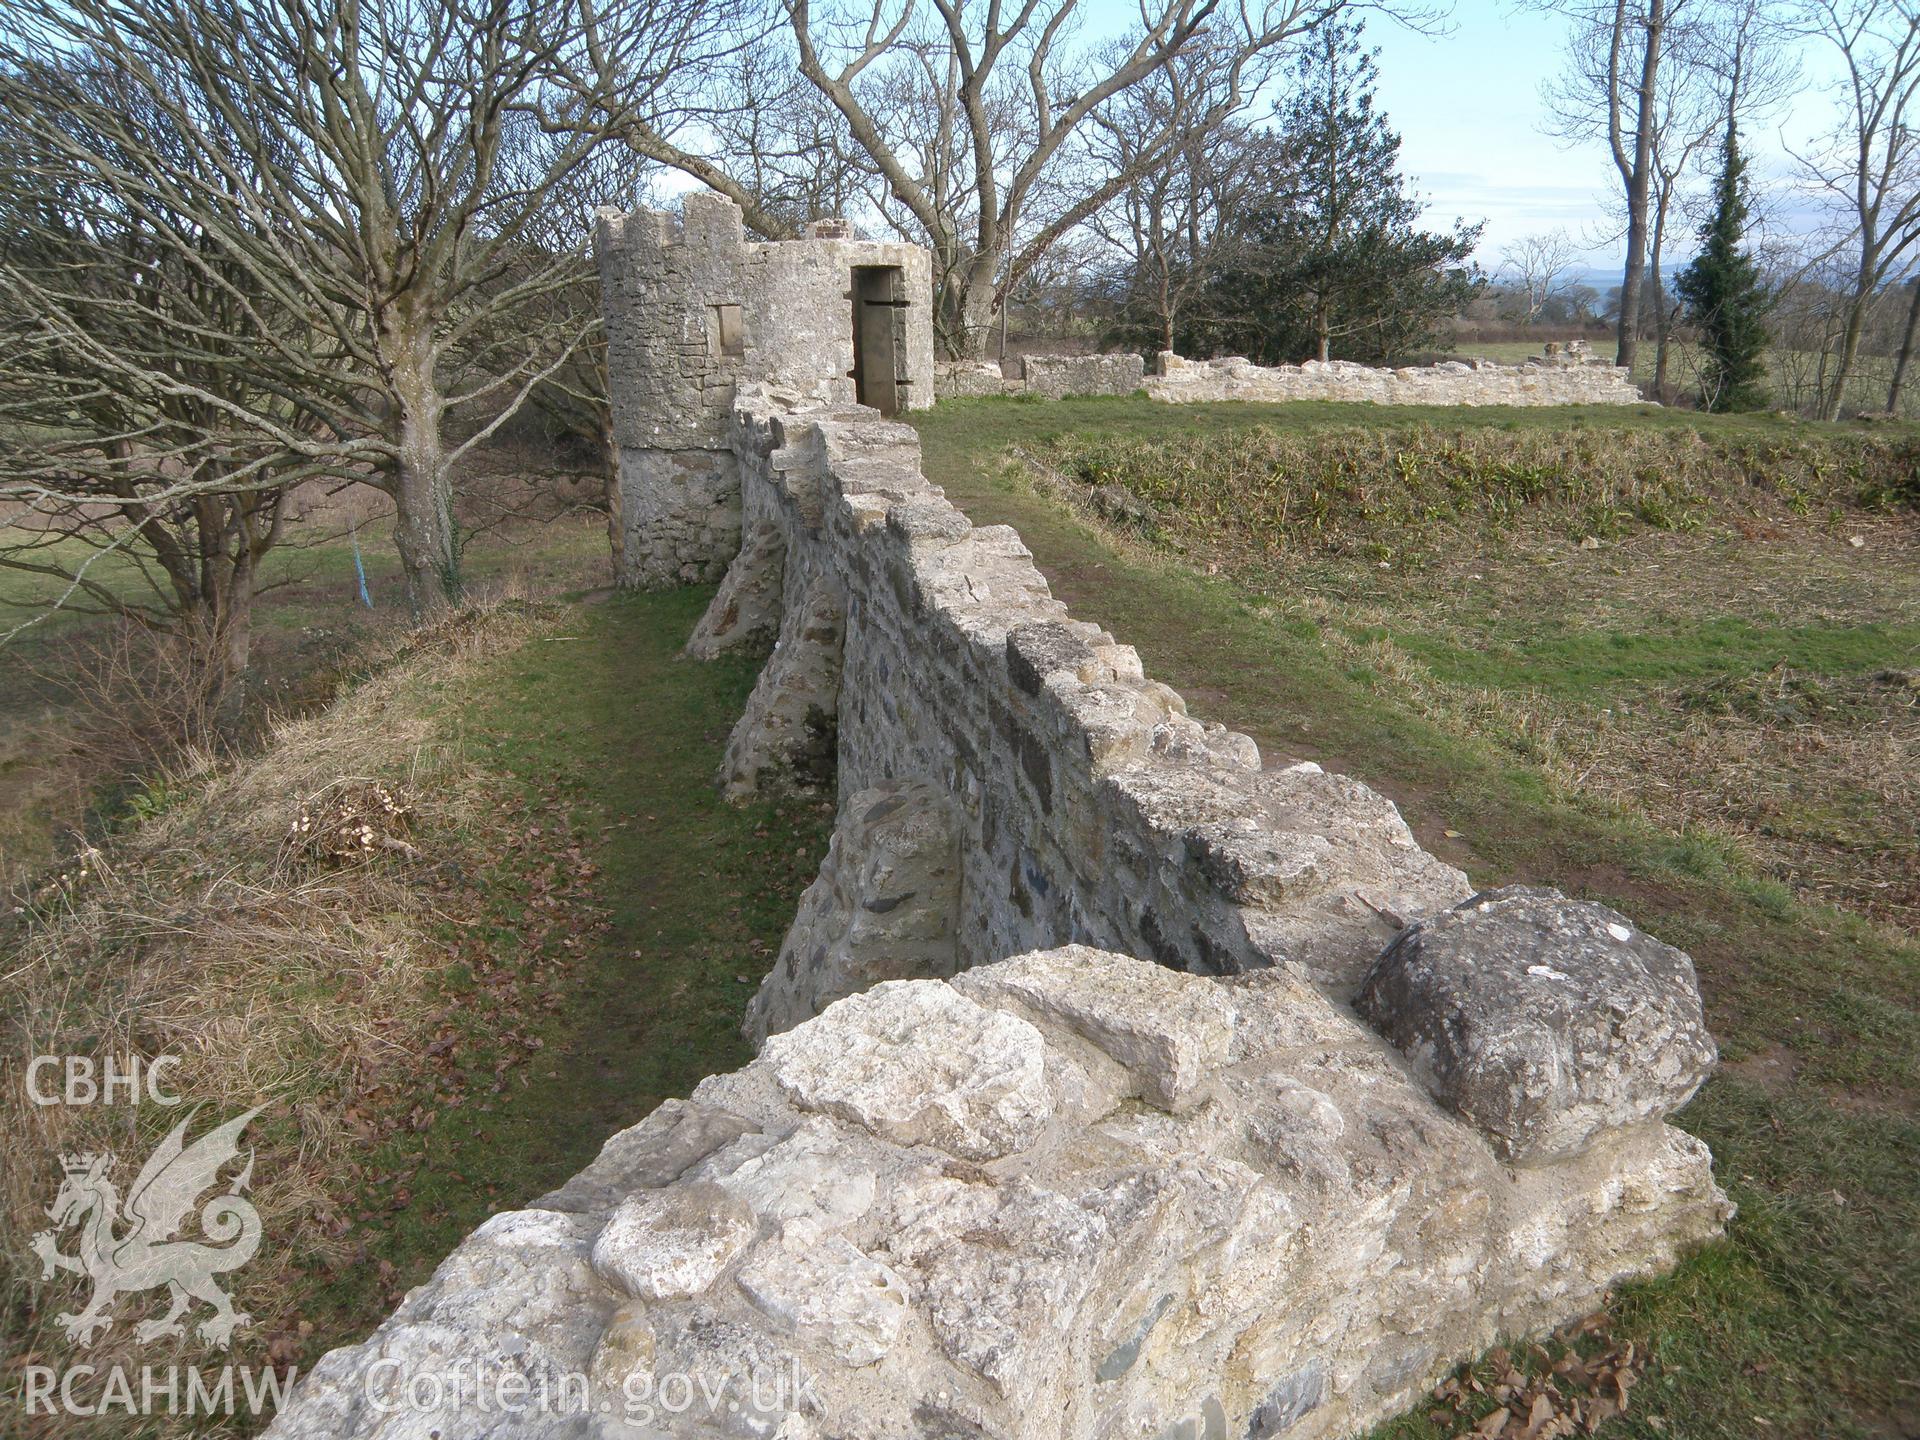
(1559,377)
(1090,807)
(1554,379)
(1055,377)
(1114,1079)
(1069,1196)
(1047,377)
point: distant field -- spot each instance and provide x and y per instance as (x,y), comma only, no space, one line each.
(1867,390)
(308,623)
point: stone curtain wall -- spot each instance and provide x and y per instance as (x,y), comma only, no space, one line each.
(1061,1191)
(1050,377)
(1089,807)
(1071,1194)
(1560,378)
(1114,1080)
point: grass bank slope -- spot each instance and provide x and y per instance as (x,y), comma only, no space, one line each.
(516,918)
(1472,685)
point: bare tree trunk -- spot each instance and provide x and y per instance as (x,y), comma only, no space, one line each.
(1166,304)
(970,306)
(1906,351)
(1628,337)
(234,617)
(424,534)
(1849,348)
(1662,316)
(423,529)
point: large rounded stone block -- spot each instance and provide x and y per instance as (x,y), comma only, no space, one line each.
(1541,1019)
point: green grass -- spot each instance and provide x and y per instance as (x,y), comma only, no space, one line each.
(572,939)
(309,625)
(609,743)
(1740,651)
(1578,663)
(696,893)
(1031,419)
(1806,1321)
(310,579)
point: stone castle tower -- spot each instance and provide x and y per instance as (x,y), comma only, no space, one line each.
(695,312)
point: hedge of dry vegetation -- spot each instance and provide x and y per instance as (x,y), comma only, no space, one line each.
(1367,491)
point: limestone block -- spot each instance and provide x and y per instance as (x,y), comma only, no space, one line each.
(1001,1283)
(1302,1254)
(829,1291)
(672,1244)
(518,1298)
(745,613)
(1170,1035)
(655,1152)
(885,906)
(960,378)
(1545,1021)
(815,1182)
(919,1064)
(1054,377)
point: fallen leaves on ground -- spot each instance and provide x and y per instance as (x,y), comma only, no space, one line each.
(1542,1393)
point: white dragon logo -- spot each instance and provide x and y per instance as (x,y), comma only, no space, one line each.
(146,1255)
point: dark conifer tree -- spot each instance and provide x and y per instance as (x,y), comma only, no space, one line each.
(1336,265)
(1726,302)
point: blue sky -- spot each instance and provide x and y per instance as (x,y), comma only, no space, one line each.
(1468,107)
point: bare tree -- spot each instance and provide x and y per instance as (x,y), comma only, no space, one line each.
(972,120)
(1905,357)
(1539,268)
(1729,69)
(406,146)
(149,429)
(1615,53)
(1176,222)
(1869,167)
(1655,78)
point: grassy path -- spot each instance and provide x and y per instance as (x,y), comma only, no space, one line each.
(1808,1321)
(568,937)
(696,894)
(644,909)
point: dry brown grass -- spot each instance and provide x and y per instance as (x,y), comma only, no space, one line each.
(274,977)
